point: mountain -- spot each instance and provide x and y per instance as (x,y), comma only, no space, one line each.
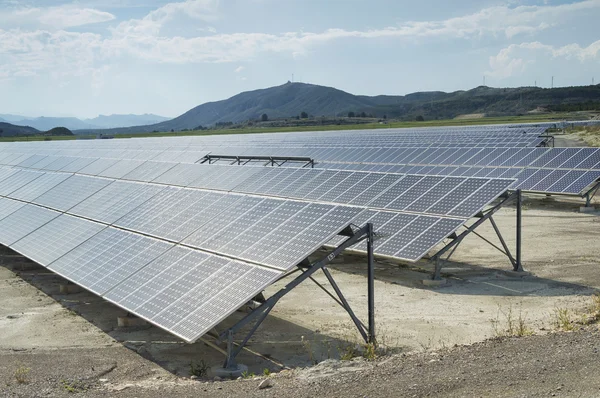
(112,121)
(7,117)
(101,122)
(290,99)
(11,130)
(47,123)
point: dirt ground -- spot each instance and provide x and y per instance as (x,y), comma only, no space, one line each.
(71,343)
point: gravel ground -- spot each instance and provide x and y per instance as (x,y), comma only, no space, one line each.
(556,364)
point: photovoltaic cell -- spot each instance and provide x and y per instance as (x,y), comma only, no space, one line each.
(23,222)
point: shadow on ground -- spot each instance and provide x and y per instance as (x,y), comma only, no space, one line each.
(277,343)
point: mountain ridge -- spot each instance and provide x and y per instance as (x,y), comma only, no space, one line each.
(290,99)
(45,123)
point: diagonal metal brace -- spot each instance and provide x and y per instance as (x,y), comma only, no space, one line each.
(260,313)
(484,216)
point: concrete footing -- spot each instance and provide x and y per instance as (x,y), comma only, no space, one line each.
(435,282)
(517,274)
(70,288)
(230,373)
(249,306)
(130,321)
(587,209)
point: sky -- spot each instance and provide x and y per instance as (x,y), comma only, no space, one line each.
(88,57)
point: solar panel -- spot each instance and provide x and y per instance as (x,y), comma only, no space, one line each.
(71,192)
(44,183)
(56,238)
(22,222)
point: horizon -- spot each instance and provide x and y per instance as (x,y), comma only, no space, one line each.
(264,88)
(99,57)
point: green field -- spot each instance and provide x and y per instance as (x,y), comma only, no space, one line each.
(555,117)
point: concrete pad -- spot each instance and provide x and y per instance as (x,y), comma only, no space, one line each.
(435,282)
(518,274)
(587,209)
(70,288)
(230,373)
(130,321)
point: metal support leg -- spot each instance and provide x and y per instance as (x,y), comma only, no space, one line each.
(230,360)
(371,283)
(345,304)
(504,245)
(518,266)
(437,258)
(259,314)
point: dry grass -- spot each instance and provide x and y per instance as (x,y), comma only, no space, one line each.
(21,374)
(590,135)
(509,324)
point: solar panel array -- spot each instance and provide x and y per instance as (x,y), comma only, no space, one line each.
(183,245)
(113,236)
(434,198)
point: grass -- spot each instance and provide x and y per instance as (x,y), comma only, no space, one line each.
(562,319)
(21,374)
(589,134)
(199,369)
(73,386)
(510,324)
(247,375)
(375,125)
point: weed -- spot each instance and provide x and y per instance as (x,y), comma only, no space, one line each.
(513,326)
(73,387)
(370,352)
(246,375)
(562,319)
(266,372)
(308,347)
(199,369)
(348,352)
(21,374)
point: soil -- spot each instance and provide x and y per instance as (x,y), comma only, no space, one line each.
(441,341)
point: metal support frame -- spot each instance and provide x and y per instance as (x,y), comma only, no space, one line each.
(307,270)
(549,140)
(271,160)
(483,216)
(589,195)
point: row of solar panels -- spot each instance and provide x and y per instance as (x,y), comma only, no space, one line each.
(448,137)
(567,158)
(182,290)
(569,170)
(455,197)
(549,181)
(412,155)
(555,158)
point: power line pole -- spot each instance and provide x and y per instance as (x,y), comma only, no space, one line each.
(552,85)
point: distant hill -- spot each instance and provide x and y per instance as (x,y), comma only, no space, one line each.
(111,121)
(10,130)
(290,99)
(7,117)
(47,123)
(44,123)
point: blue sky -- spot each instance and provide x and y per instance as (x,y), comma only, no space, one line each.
(88,57)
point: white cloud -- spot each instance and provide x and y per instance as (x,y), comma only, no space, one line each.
(154,21)
(50,47)
(60,17)
(513,60)
(239,69)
